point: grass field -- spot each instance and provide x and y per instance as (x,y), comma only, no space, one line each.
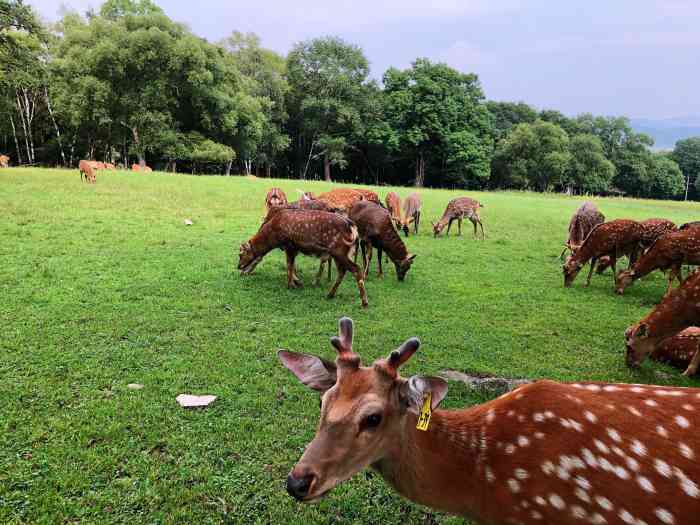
(103,285)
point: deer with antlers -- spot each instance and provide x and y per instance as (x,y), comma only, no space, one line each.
(457,209)
(393,204)
(668,253)
(317,233)
(582,222)
(376,230)
(545,453)
(411,212)
(680,351)
(677,311)
(614,239)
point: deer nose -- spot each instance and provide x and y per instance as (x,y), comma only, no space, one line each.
(298,488)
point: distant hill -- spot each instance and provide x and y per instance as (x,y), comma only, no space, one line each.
(666,132)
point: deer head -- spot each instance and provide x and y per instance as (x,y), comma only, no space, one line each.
(571,269)
(364,411)
(247,259)
(639,344)
(403,266)
(623,280)
(437,228)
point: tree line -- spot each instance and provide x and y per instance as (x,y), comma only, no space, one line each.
(126,84)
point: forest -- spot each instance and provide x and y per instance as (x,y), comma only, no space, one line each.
(126,84)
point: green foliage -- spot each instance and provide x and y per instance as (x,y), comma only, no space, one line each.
(666,178)
(589,170)
(687,155)
(506,115)
(114,9)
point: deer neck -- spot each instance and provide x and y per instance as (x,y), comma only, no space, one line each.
(393,246)
(264,241)
(443,467)
(646,264)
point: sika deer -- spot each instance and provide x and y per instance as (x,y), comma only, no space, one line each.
(275,197)
(310,232)
(654,229)
(5,161)
(377,231)
(457,209)
(545,453)
(680,351)
(586,217)
(393,204)
(676,312)
(369,195)
(411,212)
(694,224)
(341,199)
(670,252)
(87,171)
(615,239)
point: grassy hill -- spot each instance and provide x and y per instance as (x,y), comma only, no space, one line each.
(103,285)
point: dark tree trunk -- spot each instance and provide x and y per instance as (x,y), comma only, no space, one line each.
(268,171)
(327,168)
(420,171)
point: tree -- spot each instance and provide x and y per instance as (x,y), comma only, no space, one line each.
(506,115)
(665,177)
(114,9)
(326,77)
(589,170)
(687,154)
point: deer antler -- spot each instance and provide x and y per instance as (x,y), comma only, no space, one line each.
(343,343)
(402,354)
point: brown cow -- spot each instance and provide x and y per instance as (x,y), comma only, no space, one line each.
(377,231)
(680,351)
(86,170)
(456,210)
(310,232)
(614,239)
(411,212)
(586,217)
(668,253)
(4,161)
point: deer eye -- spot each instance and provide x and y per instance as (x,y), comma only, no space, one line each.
(373,421)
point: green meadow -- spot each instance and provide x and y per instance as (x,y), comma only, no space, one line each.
(104,285)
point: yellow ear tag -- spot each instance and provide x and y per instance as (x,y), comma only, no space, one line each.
(424,417)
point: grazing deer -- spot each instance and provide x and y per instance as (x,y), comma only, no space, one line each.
(87,171)
(668,253)
(582,222)
(680,351)
(275,197)
(411,212)
(4,161)
(377,231)
(694,224)
(369,195)
(676,312)
(393,204)
(341,199)
(97,165)
(654,229)
(318,233)
(137,167)
(545,453)
(614,239)
(457,209)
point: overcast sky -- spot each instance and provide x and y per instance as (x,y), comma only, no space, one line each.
(640,58)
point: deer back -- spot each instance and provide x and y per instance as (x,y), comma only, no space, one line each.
(609,238)
(412,205)
(652,229)
(678,350)
(375,225)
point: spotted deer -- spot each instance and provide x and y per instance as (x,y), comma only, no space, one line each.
(677,311)
(137,167)
(680,351)
(393,204)
(669,253)
(694,224)
(458,209)
(376,230)
(545,453)
(369,195)
(275,197)
(586,217)
(317,233)
(341,199)
(614,239)
(411,212)
(87,171)
(654,229)
(4,161)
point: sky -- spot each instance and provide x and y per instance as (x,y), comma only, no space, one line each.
(611,57)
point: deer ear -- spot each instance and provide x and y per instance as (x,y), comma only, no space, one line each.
(316,373)
(411,257)
(415,388)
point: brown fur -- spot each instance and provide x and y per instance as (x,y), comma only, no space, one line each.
(694,224)
(614,239)
(457,209)
(680,350)
(668,253)
(582,222)
(137,167)
(110,166)
(4,161)
(411,212)
(676,312)
(86,170)
(310,232)
(369,195)
(393,204)
(341,199)
(545,453)
(275,197)
(654,229)
(376,230)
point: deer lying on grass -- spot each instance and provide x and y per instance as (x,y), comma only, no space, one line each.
(669,253)
(377,231)
(586,217)
(393,204)
(87,171)
(545,453)
(4,161)
(456,210)
(318,233)
(275,197)
(680,351)
(614,239)
(677,311)
(411,212)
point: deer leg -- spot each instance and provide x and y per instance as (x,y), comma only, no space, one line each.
(673,273)
(319,274)
(292,280)
(590,272)
(341,276)
(449,225)
(633,256)
(483,234)
(368,260)
(360,281)
(693,366)
(613,261)
(459,226)
(415,222)
(379,260)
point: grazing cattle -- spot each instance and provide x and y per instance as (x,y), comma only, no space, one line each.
(393,204)
(668,253)
(341,199)
(456,210)
(676,312)
(545,453)
(377,231)
(86,170)
(411,212)
(680,351)
(653,229)
(586,217)
(4,161)
(614,239)
(275,197)
(310,232)
(137,167)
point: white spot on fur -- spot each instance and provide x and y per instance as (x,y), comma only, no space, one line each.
(646,484)
(548,468)
(521,473)
(682,422)
(514,486)
(686,451)
(489,475)
(665,516)
(523,441)
(662,468)
(577,511)
(614,435)
(540,501)
(638,448)
(661,431)
(604,503)
(590,416)
(582,495)
(601,446)
(557,502)
(634,411)
(651,403)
